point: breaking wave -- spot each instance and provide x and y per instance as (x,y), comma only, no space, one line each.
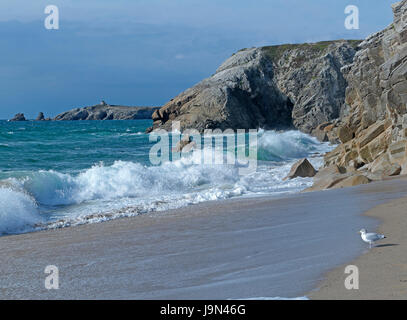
(124,188)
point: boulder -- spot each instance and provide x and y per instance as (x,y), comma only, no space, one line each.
(370,133)
(189,147)
(393,170)
(383,166)
(320,134)
(302,168)
(334,177)
(397,151)
(327,181)
(18,117)
(186,144)
(329,171)
(352,181)
(345,134)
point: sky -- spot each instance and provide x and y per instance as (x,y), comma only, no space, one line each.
(145,52)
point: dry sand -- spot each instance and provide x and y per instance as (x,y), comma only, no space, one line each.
(382,269)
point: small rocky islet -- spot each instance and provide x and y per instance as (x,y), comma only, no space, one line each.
(101,111)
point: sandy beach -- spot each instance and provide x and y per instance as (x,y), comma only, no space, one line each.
(241,248)
(382,269)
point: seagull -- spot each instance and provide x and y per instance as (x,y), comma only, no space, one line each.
(370,237)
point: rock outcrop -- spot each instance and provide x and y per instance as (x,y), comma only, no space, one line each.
(104,111)
(241,94)
(311,76)
(19,117)
(373,130)
(273,87)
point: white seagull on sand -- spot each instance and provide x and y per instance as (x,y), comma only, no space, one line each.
(370,237)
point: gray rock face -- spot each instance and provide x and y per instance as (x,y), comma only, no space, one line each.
(19,117)
(241,94)
(377,92)
(270,87)
(311,76)
(107,112)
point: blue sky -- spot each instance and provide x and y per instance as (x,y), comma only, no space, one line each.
(145,52)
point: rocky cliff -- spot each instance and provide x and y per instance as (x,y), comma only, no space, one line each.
(275,87)
(104,111)
(373,130)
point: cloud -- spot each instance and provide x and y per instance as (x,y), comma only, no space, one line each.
(147,51)
(179,56)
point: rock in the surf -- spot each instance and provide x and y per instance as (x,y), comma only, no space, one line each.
(186,144)
(302,168)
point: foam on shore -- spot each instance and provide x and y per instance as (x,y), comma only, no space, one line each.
(124,188)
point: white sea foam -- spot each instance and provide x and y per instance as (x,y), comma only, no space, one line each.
(18,211)
(288,145)
(125,188)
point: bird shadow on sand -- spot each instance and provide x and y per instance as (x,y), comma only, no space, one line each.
(386,245)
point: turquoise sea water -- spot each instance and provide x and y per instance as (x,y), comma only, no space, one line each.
(70,146)
(57,174)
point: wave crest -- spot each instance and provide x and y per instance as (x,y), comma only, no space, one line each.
(19,211)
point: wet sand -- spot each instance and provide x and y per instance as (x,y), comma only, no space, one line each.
(382,269)
(235,249)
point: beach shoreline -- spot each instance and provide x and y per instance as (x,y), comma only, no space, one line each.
(235,249)
(382,269)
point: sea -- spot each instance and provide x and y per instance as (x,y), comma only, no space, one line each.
(62,174)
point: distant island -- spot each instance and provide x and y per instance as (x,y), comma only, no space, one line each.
(101,111)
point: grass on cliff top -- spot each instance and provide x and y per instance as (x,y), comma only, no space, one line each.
(276,52)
